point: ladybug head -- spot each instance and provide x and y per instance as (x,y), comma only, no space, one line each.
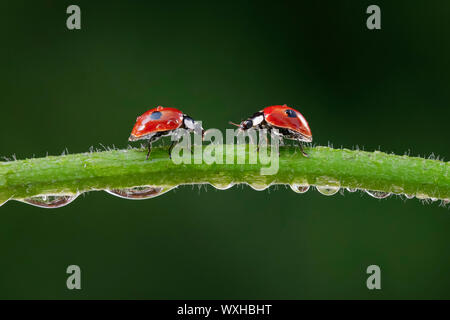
(247,124)
(194,126)
(244,125)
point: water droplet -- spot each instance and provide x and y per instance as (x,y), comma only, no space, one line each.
(378,194)
(327,190)
(409,196)
(259,186)
(299,188)
(50,201)
(222,186)
(351,189)
(433,199)
(139,193)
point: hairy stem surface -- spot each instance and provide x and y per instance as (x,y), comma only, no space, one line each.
(117,169)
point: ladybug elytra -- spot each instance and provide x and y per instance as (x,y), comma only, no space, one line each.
(162,122)
(290,123)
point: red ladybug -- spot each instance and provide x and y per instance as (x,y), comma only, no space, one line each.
(290,123)
(161,122)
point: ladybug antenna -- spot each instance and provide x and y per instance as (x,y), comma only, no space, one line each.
(234,124)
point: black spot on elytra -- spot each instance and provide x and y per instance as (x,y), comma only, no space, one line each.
(291,113)
(155,115)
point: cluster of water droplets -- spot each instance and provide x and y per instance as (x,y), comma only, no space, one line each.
(330,190)
(148,192)
(58,201)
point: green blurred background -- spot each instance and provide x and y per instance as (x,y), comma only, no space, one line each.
(221,61)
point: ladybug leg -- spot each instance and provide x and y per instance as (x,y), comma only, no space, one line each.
(301,149)
(191,150)
(149,147)
(170,148)
(280,141)
(266,140)
(251,140)
(150,140)
(258,143)
(173,145)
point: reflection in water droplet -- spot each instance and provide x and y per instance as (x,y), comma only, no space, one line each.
(409,196)
(221,186)
(50,201)
(378,194)
(299,188)
(351,189)
(433,199)
(138,193)
(327,190)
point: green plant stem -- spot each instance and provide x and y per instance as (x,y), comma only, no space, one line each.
(116,169)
